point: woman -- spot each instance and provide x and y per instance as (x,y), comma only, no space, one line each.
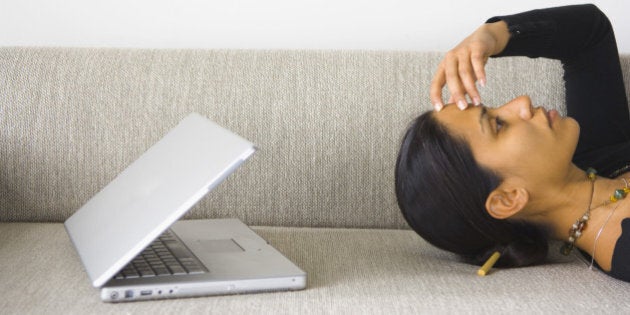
(476,180)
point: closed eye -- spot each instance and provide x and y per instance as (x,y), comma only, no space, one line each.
(498,123)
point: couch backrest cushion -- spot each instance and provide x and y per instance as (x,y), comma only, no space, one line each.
(328,124)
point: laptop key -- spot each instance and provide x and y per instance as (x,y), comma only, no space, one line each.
(131,274)
(177,270)
(162,271)
(165,256)
(179,250)
(146,273)
(192,266)
(194,269)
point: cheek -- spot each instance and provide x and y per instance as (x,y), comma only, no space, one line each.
(514,150)
(524,141)
(528,151)
(545,148)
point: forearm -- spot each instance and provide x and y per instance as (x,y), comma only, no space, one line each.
(582,38)
(557,33)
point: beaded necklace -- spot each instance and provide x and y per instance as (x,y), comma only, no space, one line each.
(580,224)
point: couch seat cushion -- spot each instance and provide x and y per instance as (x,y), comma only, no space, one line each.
(361,271)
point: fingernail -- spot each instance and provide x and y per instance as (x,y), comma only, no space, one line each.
(461,104)
(476,101)
(438,106)
(482,82)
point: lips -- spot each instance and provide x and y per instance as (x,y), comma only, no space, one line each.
(551,115)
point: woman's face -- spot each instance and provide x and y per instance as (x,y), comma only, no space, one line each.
(515,139)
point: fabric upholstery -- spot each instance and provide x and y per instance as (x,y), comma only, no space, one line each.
(328,124)
(350,271)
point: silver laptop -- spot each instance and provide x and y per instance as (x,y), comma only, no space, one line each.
(132,247)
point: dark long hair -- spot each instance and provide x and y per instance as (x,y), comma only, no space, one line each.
(442,191)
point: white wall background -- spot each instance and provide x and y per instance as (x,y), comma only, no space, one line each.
(265,24)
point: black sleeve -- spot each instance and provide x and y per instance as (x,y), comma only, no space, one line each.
(582,38)
(620,268)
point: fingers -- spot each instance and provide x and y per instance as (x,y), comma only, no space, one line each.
(454,82)
(468,81)
(448,74)
(479,64)
(461,71)
(438,82)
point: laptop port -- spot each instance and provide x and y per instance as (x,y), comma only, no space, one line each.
(146,292)
(128,294)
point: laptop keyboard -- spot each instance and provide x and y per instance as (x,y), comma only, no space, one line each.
(165,256)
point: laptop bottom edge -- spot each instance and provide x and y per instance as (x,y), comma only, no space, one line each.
(183,289)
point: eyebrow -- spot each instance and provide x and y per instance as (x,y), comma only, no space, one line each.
(482,115)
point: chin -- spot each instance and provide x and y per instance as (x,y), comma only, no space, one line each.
(576,128)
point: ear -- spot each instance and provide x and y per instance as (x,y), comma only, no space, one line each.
(504,202)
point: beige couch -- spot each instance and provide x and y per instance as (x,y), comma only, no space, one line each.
(320,189)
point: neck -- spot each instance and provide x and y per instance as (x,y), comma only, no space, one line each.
(558,205)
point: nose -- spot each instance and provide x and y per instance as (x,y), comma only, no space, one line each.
(520,106)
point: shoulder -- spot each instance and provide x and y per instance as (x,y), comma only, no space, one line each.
(620,260)
(612,247)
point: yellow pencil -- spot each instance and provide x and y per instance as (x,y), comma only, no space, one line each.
(489,263)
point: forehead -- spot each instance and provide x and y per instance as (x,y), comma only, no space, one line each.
(465,123)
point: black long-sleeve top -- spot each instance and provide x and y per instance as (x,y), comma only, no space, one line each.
(582,38)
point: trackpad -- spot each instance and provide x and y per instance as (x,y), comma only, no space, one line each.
(218,246)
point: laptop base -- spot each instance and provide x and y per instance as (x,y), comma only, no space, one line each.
(237,259)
